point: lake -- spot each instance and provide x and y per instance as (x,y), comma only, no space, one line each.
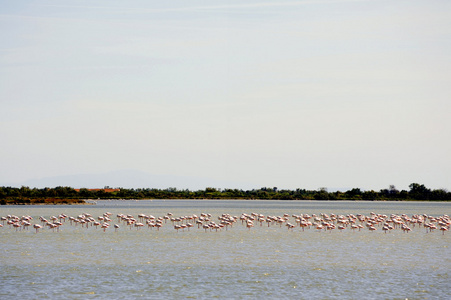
(235,262)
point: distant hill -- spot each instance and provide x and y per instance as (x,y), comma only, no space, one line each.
(131,179)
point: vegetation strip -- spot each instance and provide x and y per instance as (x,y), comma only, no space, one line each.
(68,195)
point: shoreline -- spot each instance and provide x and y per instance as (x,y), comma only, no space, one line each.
(94,202)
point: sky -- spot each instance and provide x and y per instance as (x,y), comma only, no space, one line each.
(288,94)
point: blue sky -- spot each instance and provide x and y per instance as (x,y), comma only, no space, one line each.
(296,94)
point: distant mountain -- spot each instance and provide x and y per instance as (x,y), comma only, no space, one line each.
(132,179)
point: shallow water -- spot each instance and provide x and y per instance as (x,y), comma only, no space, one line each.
(235,263)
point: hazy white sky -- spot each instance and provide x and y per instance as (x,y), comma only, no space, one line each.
(296,94)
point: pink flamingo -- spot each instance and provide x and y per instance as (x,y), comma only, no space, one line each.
(104,226)
(37,227)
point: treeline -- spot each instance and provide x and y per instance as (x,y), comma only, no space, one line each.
(26,195)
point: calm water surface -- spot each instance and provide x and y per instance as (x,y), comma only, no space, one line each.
(236,263)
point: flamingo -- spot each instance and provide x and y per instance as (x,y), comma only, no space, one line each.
(37,227)
(290,226)
(249,224)
(104,226)
(322,221)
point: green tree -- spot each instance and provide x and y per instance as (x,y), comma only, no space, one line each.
(355,193)
(419,191)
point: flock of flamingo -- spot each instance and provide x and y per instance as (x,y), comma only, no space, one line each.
(321,222)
